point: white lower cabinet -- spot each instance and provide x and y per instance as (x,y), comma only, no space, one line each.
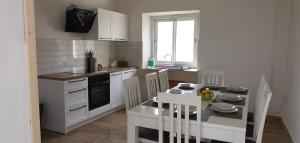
(65,103)
(116,99)
(76,114)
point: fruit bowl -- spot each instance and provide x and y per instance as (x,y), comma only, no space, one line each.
(206,94)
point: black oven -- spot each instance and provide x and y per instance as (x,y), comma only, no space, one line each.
(99,94)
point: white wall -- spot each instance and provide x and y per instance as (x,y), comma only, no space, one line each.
(14,109)
(235,35)
(291,112)
(50,16)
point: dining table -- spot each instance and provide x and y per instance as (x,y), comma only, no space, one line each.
(227,127)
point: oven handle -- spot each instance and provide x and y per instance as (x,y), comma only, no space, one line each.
(77,90)
(100,83)
(77,108)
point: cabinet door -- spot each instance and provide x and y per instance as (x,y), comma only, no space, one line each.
(124,27)
(104,24)
(116,98)
(76,114)
(128,74)
(119,26)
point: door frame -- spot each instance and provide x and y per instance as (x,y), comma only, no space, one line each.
(30,41)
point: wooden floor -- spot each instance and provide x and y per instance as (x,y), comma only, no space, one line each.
(112,129)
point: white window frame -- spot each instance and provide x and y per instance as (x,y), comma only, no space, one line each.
(175,18)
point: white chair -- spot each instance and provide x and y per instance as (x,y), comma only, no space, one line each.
(213,77)
(252,117)
(152,85)
(261,117)
(257,131)
(180,101)
(163,80)
(132,92)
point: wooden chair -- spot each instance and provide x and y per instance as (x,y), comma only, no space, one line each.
(213,77)
(183,102)
(152,85)
(252,117)
(132,92)
(163,80)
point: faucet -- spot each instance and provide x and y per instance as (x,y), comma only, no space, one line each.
(168,55)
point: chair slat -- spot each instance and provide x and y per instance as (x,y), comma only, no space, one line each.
(152,85)
(181,101)
(213,77)
(132,92)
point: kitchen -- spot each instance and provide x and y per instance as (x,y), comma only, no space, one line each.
(81,72)
(121,41)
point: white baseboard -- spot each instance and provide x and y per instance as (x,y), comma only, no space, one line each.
(289,131)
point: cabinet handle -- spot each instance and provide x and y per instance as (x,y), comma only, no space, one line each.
(76,81)
(77,108)
(77,90)
(115,74)
(105,38)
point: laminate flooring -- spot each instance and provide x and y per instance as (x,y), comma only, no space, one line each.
(112,129)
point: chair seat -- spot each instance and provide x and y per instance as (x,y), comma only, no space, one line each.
(152,134)
(250,118)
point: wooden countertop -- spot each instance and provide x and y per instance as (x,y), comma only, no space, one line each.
(63,76)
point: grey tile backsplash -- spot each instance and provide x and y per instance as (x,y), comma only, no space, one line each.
(68,55)
(56,55)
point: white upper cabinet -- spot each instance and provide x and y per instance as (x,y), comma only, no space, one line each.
(109,25)
(104,24)
(119,26)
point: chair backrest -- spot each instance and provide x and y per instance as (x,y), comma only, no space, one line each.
(152,85)
(132,92)
(185,102)
(259,125)
(260,94)
(163,80)
(213,77)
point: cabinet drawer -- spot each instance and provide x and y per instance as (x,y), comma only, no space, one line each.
(72,85)
(76,96)
(76,114)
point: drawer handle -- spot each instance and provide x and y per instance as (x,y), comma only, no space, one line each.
(77,90)
(76,81)
(77,108)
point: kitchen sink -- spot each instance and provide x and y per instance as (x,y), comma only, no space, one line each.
(172,67)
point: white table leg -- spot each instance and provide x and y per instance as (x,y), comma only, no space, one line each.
(239,137)
(132,131)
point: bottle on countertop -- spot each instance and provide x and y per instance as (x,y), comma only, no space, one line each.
(151,63)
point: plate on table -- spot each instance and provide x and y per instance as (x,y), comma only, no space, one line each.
(186,86)
(231,97)
(236,89)
(175,91)
(211,87)
(225,111)
(226,107)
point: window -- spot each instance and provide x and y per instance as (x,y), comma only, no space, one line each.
(175,39)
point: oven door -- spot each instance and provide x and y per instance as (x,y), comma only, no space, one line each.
(99,95)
